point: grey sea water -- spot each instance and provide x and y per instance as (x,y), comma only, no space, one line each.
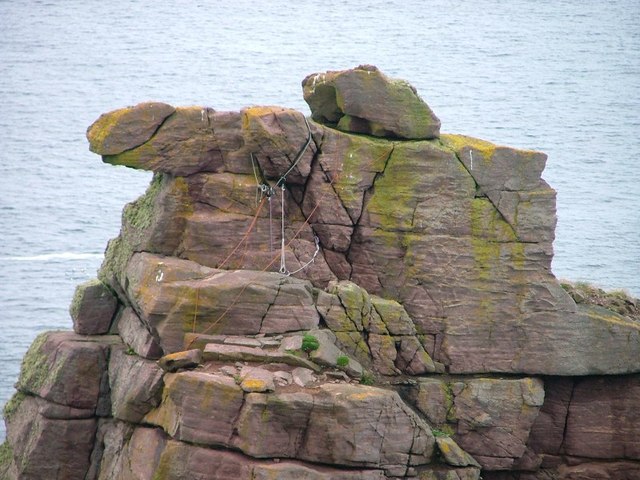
(558,76)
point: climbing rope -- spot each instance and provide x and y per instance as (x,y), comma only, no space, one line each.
(264,189)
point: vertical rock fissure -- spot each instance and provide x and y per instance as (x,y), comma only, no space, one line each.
(483,195)
(565,428)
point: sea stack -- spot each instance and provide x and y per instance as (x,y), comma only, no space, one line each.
(351,296)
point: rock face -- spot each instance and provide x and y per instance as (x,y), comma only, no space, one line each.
(354,296)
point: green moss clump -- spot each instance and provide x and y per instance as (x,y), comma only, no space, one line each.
(367,379)
(309,343)
(342,361)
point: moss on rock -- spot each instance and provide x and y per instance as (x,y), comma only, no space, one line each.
(35,365)
(618,301)
(12,405)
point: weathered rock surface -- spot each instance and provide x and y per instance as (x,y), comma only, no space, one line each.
(364,100)
(92,308)
(277,266)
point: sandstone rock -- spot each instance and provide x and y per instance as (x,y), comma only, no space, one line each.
(342,417)
(603,420)
(277,135)
(243,341)
(182,145)
(453,454)
(185,359)
(440,473)
(67,369)
(303,376)
(494,418)
(127,128)
(477,218)
(274,425)
(136,385)
(179,460)
(395,318)
(283,378)
(110,447)
(255,379)
(198,407)
(392,345)
(346,98)
(134,454)
(430,249)
(49,448)
(279,425)
(328,354)
(137,335)
(153,223)
(548,430)
(189,296)
(294,471)
(92,308)
(412,358)
(232,353)
(617,470)
(433,398)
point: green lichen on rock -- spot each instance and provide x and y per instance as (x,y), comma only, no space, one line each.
(343,99)
(36,368)
(618,301)
(139,213)
(12,405)
(137,219)
(6,457)
(126,128)
(78,295)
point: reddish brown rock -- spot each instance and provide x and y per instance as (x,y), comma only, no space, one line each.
(131,453)
(179,360)
(135,333)
(46,447)
(127,128)
(178,296)
(345,98)
(68,369)
(603,420)
(92,308)
(617,470)
(198,407)
(136,385)
(494,418)
(275,425)
(433,399)
(548,430)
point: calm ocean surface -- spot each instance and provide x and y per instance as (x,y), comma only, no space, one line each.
(559,76)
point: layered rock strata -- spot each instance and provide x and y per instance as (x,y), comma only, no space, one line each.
(351,296)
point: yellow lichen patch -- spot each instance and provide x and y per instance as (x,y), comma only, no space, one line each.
(613,319)
(135,158)
(459,142)
(254,384)
(444,447)
(369,393)
(103,127)
(258,111)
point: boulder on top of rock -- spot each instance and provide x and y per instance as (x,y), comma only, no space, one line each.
(92,308)
(364,100)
